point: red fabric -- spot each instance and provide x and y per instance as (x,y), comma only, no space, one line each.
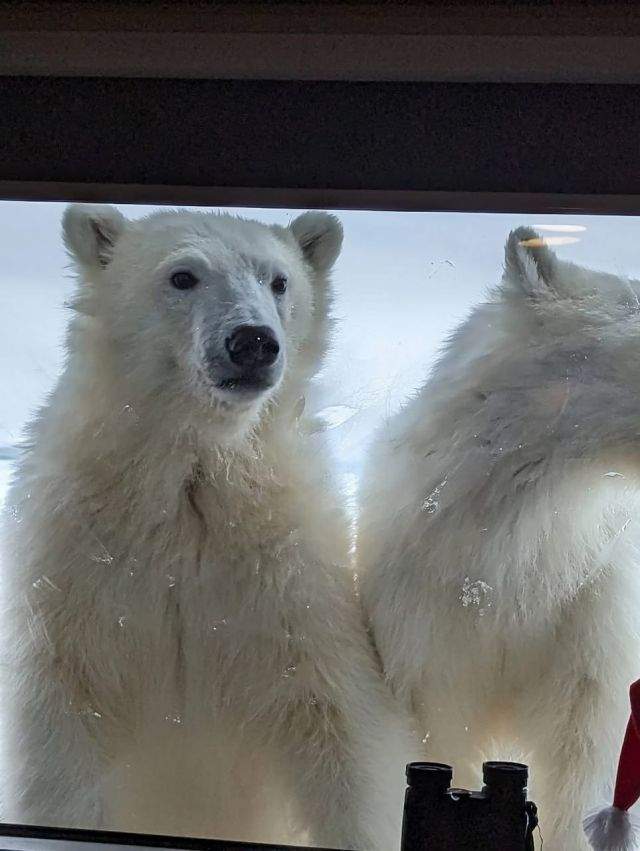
(627,789)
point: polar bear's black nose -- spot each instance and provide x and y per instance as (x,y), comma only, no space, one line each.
(252,346)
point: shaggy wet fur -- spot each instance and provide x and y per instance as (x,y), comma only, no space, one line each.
(188,655)
(498,541)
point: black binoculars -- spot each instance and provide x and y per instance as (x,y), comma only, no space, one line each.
(438,817)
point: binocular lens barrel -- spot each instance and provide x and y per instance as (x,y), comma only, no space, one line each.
(429,775)
(505,774)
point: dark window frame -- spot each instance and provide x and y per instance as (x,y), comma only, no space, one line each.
(381,104)
(335,144)
(73,838)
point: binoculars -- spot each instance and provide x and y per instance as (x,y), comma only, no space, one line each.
(438,817)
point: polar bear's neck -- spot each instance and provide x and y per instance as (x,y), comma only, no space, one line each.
(160,441)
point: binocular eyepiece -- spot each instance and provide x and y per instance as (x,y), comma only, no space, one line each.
(497,776)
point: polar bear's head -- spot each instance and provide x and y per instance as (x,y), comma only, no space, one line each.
(551,360)
(221,309)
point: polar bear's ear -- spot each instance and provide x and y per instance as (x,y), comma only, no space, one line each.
(91,232)
(319,235)
(529,265)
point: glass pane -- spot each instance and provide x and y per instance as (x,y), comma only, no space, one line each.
(222,474)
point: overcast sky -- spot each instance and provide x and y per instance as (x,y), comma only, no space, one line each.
(403,281)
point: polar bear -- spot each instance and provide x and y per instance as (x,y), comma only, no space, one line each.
(188,652)
(498,537)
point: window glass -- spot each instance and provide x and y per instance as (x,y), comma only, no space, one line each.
(286,729)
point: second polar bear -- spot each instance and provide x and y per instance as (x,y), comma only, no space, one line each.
(499,535)
(188,653)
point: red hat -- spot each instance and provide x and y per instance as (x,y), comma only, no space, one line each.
(613,829)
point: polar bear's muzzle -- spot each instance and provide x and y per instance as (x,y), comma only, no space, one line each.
(252,347)
(254,360)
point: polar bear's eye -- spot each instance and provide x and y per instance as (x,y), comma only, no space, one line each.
(183,280)
(279,284)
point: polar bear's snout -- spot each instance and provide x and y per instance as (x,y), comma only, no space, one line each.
(253,363)
(253,347)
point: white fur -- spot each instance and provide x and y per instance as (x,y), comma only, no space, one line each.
(498,542)
(612,829)
(188,653)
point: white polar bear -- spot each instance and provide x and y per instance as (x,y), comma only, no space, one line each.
(189,655)
(499,534)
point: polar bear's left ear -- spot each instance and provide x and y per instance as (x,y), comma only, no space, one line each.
(91,232)
(319,235)
(529,265)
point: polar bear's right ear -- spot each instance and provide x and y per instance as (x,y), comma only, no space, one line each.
(91,231)
(529,265)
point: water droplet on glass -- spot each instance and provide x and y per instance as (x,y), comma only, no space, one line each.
(436,264)
(122,621)
(475,593)
(426,737)
(45,582)
(171,580)
(82,710)
(15,513)
(329,418)
(299,407)
(289,671)
(176,720)
(432,503)
(103,557)
(217,624)
(613,475)
(337,415)
(129,409)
